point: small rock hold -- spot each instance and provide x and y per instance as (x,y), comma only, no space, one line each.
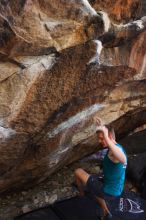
(24,193)
(46,199)
(35,201)
(52,199)
(25,209)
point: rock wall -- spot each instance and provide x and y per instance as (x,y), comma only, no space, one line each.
(62,62)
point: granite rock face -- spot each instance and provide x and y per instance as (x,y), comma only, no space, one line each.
(63,62)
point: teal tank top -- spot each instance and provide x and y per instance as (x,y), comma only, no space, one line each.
(114,175)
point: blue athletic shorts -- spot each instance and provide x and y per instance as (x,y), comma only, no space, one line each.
(94,188)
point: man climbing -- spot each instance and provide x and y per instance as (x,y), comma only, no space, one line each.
(114,166)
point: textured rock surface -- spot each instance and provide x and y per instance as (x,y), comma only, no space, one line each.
(121,10)
(135,142)
(57,187)
(61,64)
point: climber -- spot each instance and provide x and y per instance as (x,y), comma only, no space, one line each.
(114,166)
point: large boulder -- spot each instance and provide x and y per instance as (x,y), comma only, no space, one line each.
(135,143)
(61,64)
(136,172)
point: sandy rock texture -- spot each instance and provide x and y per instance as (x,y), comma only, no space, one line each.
(62,63)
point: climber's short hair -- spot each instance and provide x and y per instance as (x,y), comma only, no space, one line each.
(110,131)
